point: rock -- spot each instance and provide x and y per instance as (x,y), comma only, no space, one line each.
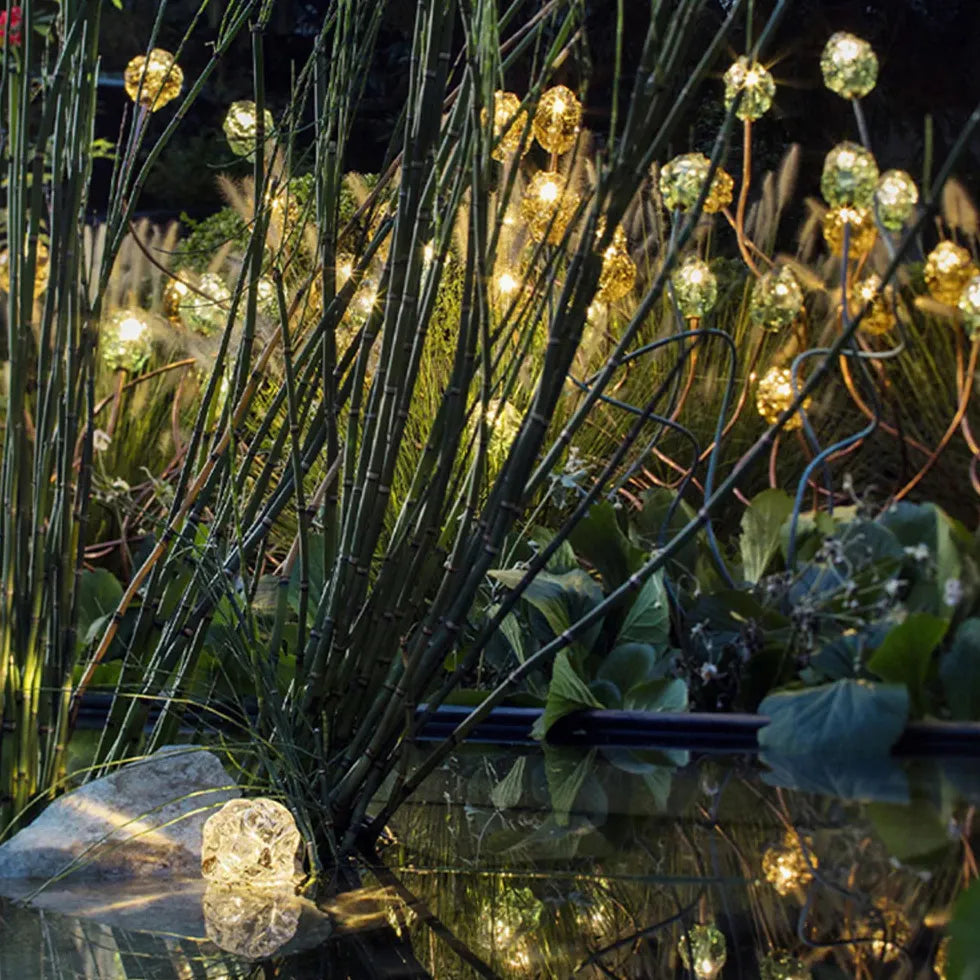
(145,818)
(252,842)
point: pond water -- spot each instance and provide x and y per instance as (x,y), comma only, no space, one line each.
(581,863)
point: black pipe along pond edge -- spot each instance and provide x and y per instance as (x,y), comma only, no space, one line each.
(627,729)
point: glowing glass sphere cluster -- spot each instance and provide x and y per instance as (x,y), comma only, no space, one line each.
(618,274)
(241,127)
(683,177)
(757,84)
(784,867)
(42,266)
(850,176)
(969,306)
(879,318)
(205,310)
(703,951)
(895,198)
(548,206)
(949,267)
(849,66)
(859,226)
(783,966)
(509,122)
(777,299)
(557,119)
(884,931)
(153,80)
(124,340)
(695,287)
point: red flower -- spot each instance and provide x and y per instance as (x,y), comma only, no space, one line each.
(14,36)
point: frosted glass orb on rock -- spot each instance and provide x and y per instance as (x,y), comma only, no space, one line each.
(895,198)
(557,120)
(850,176)
(153,80)
(949,267)
(695,287)
(682,178)
(249,923)
(703,951)
(241,127)
(251,842)
(757,84)
(969,306)
(849,66)
(777,299)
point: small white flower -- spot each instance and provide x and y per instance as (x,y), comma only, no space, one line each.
(892,587)
(100,440)
(953,592)
(708,672)
(919,552)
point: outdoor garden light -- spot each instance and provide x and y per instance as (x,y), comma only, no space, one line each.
(241,127)
(153,80)
(557,120)
(773,396)
(175,291)
(41,268)
(618,274)
(860,227)
(757,84)
(366,296)
(878,318)
(249,923)
(895,198)
(887,927)
(266,297)
(784,865)
(205,310)
(548,206)
(949,267)
(849,66)
(939,964)
(124,340)
(507,110)
(783,966)
(428,254)
(253,843)
(344,266)
(703,951)
(850,176)
(777,299)
(683,177)
(969,306)
(695,287)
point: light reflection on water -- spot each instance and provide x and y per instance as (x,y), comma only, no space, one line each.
(597,864)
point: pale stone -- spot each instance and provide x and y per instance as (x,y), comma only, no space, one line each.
(248,921)
(251,842)
(144,818)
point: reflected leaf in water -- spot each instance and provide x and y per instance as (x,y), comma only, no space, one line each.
(250,923)
(703,950)
(786,867)
(783,966)
(884,932)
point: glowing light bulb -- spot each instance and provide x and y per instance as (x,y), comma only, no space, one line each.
(860,226)
(777,299)
(428,254)
(509,123)
(849,66)
(756,84)
(154,79)
(548,206)
(556,123)
(683,177)
(783,867)
(241,127)
(695,288)
(41,269)
(506,284)
(703,950)
(895,198)
(124,340)
(850,176)
(969,305)
(949,267)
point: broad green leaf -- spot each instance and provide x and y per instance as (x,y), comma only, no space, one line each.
(99,592)
(566,770)
(666,694)
(959,669)
(811,530)
(648,619)
(563,560)
(852,718)
(905,653)
(567,692)
(908,830)
(507,793)
(871,778)
(656,523)
(762,521)
(514,633)
(600,541)
(964,936)
(627,665)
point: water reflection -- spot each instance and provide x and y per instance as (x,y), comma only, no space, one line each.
(582,864)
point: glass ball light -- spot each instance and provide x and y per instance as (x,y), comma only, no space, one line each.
(783,966)
(783,867)
(548,206)
(879,318)
(850,176)
(241,127)
(557,119)
(206,313)
(757,84)
(849,66)
(507,110)
(969,306)
(124,340)
(153,80)
(683,177)
(895,198)
(703,951)
(175,291)
(42,266)
(860,227)
(618,274)
(777,299)
(884,932)
(266,297)
(695,287)
(248,922)
(949,267)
